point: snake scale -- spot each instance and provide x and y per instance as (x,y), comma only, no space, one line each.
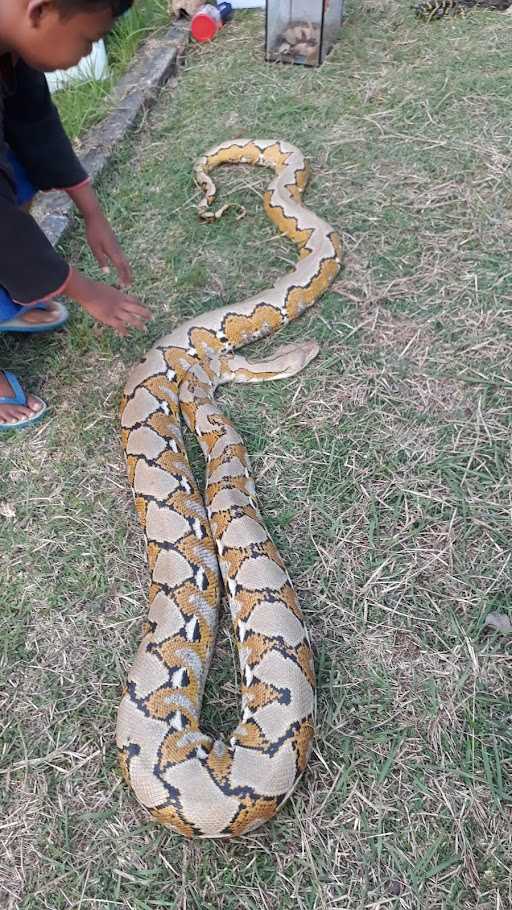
(429,10)
(194,784)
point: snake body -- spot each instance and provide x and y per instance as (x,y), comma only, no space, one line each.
(186,779)
(436,9)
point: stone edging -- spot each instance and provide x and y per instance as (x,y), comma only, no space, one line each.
(135,93)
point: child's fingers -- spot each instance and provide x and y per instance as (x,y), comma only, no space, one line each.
(101,258)
(122,267)
(117,323)
(116,309)
(139,308)
(133,319)
(134,313)
(128,315)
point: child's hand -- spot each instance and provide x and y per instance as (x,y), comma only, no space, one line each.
(116,309)
(106,304)
(105,247)
(100,236)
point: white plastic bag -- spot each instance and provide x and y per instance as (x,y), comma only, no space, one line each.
(247,4)
(94,67)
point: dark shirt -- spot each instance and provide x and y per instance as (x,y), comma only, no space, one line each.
(30,269)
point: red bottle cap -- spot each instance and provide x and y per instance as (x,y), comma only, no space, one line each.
(203,27)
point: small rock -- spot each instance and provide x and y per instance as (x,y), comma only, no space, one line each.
(500,622)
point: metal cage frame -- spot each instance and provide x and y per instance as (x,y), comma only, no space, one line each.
(270,59)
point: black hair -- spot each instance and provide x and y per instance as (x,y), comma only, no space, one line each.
(69,7)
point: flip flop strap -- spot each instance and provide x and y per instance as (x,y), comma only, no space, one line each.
(19,396)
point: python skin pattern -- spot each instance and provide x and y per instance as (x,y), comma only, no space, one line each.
(436,9)
(188,781)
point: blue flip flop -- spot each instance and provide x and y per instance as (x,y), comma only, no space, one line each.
(15,324)
(19,397)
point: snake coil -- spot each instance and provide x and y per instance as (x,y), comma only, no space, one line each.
(197,785)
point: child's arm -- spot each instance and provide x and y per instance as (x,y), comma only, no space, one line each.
(34,131)
(100,236)
(31,270)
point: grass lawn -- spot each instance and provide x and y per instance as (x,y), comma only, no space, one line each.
(383,472)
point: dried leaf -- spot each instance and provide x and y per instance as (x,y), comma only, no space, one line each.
(500,622)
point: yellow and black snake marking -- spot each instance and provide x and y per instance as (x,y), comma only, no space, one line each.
(196,785)
(436,9)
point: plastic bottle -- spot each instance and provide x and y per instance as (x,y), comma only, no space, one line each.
(226,10)
(208,20)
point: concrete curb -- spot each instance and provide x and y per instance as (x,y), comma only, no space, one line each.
(157,61)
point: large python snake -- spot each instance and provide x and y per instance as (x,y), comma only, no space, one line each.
(187,780)
(436,9)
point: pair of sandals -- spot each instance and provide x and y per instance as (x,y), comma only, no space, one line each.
(19,396)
